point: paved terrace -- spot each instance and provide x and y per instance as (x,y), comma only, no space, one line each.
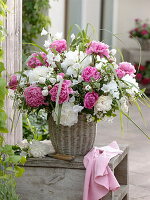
(139,150)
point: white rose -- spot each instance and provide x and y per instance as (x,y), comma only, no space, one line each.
(103,104)
(44,92)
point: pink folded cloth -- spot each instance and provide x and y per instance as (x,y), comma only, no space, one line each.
(99,179)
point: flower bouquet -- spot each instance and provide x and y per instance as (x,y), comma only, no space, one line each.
(78,82)
(142,33)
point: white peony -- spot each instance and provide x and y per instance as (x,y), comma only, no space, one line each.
(103,104)
(42,80)
(39,149)
(38,72)
(69,114)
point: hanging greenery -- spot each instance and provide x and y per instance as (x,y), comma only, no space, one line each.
(9,162)
(35,17)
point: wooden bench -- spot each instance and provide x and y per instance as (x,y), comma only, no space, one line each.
(52,179)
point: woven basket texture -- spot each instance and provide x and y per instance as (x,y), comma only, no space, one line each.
(75,140)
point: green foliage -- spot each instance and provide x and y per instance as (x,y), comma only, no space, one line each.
(8,190)
(35,126)
(34,19)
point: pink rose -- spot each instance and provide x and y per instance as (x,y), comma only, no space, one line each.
(64,94)
(37,59)
(90,72)
(98,48)
(33,96)
(13,83)
(90,99)
(124,69)
(59,45)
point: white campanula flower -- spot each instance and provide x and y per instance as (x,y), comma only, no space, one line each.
(69,114)
(75,82)
(71,59)
(44,92)
(131,82)
(47,44)
(85,59)
(39,149)
(44,32)
(73,36)
(113,52)
(58,36)
(124,104)
(72,99)
(50,57)
(57,58)
(111,86)
(103,104)
(99,65)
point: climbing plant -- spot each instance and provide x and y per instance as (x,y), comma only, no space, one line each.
(34,19)
(9,162)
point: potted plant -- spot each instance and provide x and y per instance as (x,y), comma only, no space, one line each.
(142,33)
(78,82)
(143,76)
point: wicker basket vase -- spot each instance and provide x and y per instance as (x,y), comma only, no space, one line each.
(145,44)
(75,140)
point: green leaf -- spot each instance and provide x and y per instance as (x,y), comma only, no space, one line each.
(38,46)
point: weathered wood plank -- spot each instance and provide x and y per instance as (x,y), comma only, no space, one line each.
(13,61)
(49,179)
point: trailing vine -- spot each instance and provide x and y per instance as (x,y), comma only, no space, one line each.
(9,162)
(34,19)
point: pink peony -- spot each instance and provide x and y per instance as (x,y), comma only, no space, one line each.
(98,48)
(13,83)
(64,94)
(144,32)
(124,69)
(90,72)
(90,99)
(33,96)
(37,59)
(59,45)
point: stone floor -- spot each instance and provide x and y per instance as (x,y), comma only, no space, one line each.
(139,150)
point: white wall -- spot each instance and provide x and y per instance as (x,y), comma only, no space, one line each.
(57,15)
(91,14)
(125,13)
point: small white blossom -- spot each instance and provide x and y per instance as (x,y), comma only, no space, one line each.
(58,36)
(113,52)
(57,58)
(42,80)
(124,104)
(99,65)
(47,43)
(89,118)
(44,92)
(44,32)
(75,82)
(53,80)
(73,36)
(87,87)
